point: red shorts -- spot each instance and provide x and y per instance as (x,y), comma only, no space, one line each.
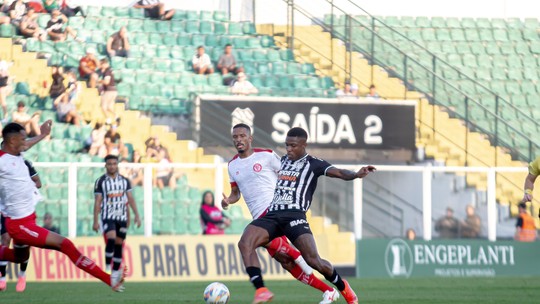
(24,231)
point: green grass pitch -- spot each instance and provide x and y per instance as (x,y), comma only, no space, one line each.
(464,290)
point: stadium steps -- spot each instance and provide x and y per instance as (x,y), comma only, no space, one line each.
(330,241)
(446,144)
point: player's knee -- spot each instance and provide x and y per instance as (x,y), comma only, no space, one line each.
(314,261)
(245,245)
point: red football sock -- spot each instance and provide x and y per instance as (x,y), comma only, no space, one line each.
(280,245)
(7,254)
(310,280)
(83,262)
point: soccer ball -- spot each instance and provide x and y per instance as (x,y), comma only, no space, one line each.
(217,293)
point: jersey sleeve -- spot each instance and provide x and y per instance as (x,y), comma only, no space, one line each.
(275,162)
(534,167)
(320,166)
(31,170)
(98,189)
(128,185)
(231,177)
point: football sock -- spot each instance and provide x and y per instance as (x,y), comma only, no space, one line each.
(117,259)
(255,276)
(310,280)
(83,262)
(109,252)
(278,245)
(23,266)
(3,266)
(336,280)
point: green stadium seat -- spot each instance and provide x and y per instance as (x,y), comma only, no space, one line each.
(155,38)
(192,26)
(206,27)
(220,28)
(163,27)
(134,25)
(235,29)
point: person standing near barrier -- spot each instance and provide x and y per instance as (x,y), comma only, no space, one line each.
(113,197)
(525,227)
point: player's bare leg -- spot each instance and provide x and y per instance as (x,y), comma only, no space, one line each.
(307,246)
(252,238)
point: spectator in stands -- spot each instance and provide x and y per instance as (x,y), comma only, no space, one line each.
(471,226)
(29,27)
(213,220)
(448,225)
(29,122)
(56,30)
(96,141)
(227,63)
(165,176)
(346,92)
(113,143)
(88,66)
(72,90)
(48,223)
(68,8)
(354,90)
(5,88)
(108,97)
(410,234)
(373,92)
(135,175)
(118,44)
(525,226)
(242,86)
(57,89)
(66,111)
(17,10)
(50,5)
(201,62)
(154,147)
(154,9)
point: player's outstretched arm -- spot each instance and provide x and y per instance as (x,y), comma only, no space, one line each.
(45,131)
(232,198)
(529,187)
(348,174)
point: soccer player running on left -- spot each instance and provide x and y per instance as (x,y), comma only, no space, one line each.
(6,239)
(253,174)
(18,196)
(112,195)
(297,180)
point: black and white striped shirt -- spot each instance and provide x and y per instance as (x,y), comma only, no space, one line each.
(114,193)
(296,183)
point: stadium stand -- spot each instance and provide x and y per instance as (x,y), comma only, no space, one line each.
(444,141)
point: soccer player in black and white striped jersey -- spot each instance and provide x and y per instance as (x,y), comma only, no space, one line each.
(112,196)
(297,180)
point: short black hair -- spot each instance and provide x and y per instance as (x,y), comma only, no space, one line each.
(297,132)
(11,128)
(110,156)
(228,44)
(242,125)
(200,47)
(20,104)
(522,205)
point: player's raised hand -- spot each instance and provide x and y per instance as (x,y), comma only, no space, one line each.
(364,171)
(527,197)
(46,127)
(225,202)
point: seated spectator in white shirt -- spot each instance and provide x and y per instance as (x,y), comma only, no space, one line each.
(201,62)
(346,92)
(242,86)
(373,92)
(30,123)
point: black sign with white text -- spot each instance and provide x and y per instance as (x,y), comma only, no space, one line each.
(369,125)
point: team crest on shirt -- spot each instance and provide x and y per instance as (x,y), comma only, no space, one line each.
(257,167)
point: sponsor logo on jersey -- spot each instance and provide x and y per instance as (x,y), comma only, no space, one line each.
(257,167)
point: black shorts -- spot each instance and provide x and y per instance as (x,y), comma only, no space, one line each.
(119,226)
(152,12)
(3,228)
(291,224)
